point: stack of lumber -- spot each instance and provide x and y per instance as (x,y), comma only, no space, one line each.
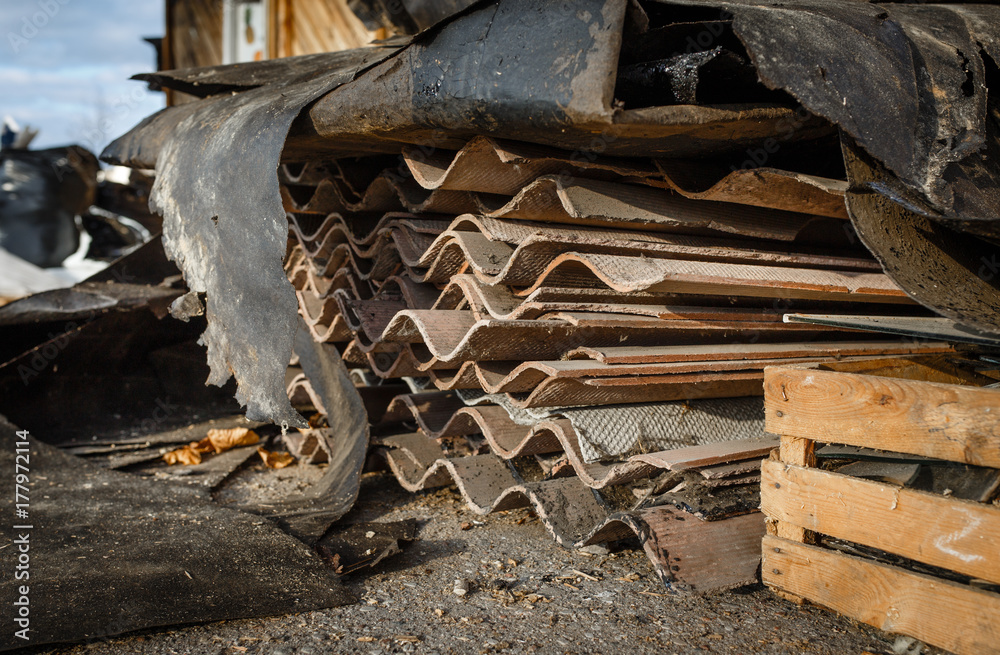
(882,501)
(585,339)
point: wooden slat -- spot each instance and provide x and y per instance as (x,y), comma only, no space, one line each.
(959,535)
(705,555)
(944,421)
(920,368)
(945,614)
(324,26)
(796,450)
(693,457)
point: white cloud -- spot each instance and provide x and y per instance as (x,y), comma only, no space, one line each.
(70,78)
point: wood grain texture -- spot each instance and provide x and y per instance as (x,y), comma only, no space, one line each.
(945,421)
(945,614)
(959,535)
(705,555)
(796,450)
(322,26)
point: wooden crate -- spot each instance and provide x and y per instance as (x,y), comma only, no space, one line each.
(927,406)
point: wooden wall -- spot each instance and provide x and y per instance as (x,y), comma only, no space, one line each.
(297,27)
(193,38)
(308,26)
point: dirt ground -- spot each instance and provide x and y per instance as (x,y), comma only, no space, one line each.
(526,595)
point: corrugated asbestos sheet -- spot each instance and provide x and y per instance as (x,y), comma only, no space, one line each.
(555,254)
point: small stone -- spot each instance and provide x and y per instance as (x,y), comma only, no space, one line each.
(461,587)
(595,549)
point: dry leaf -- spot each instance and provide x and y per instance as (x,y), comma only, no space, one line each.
(203,447)
(335,563)
(275,460)
(186,455)
(217,441)
(223,440)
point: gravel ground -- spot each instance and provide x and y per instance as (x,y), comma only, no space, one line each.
(526,595)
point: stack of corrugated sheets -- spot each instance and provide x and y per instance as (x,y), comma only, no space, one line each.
(583,335)
(555,253)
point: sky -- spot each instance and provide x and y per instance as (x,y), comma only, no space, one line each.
(65,67)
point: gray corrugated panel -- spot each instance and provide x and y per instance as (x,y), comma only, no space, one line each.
(621,430)
(506,167)
(443,414)
(386,193)
(576,517)
(503,252)
(501,167)
(599,203)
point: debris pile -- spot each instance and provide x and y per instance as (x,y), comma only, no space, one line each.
(531,298)
(552,268)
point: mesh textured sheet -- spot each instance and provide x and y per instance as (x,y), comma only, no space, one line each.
(619,431)
(624,430)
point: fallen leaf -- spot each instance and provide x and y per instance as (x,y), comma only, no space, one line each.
(333,559)
(275,460)
(186,455)
(465,526)
(223,440)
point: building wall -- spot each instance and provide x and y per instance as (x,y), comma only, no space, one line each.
(194,29)
(308,26)
(296,27)
(193,38)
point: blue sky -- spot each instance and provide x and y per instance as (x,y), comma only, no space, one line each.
(65,64)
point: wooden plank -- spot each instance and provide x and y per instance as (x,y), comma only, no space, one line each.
(959,535)
(944,421)
(796,450)
(945,614)
(705,555)
(799,451)
(724,351)
(693,457)
(941,368)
